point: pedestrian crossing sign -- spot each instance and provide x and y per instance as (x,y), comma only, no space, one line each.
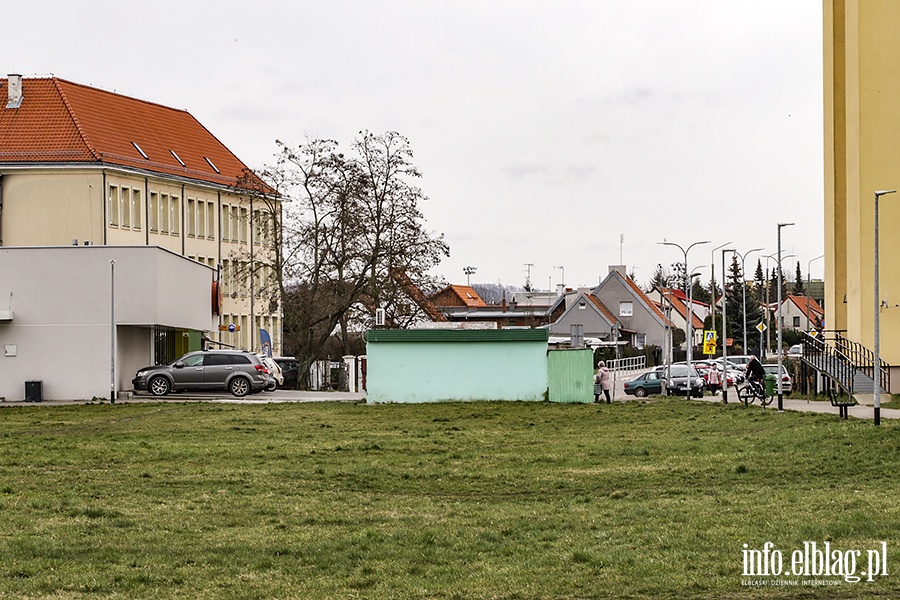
(709,342)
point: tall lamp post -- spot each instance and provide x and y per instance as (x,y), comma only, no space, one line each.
(876,361)
(687,279)
(780,323)
(725,331)
(688,283)
(689,317)
(808,282)
(744,276)
(774,255)
(712,270)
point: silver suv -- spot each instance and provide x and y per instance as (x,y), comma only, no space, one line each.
(238,372)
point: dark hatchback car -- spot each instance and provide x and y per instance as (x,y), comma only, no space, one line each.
(644,385)
(238,372)
(678,380)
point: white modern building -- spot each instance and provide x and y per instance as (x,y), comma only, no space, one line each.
(81,320)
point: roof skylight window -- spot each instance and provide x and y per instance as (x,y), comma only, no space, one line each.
(138,148)
(178,158)
(214,167)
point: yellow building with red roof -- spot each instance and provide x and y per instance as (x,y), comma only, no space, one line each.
(81,165)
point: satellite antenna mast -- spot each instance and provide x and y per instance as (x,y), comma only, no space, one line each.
(528,276)
(621,246)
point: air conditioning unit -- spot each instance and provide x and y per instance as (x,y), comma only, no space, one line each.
(379,317)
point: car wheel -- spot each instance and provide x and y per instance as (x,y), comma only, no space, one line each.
(640,392)
(272,386)
(239,387)
(159,386)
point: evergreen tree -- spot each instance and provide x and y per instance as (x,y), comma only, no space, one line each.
(733,300)
(799,288)
(661,278)
(759,281)
(699,292)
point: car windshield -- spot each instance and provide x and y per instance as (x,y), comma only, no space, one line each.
(682,371)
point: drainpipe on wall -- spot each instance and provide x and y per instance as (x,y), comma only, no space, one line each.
(103,205)
(253,331)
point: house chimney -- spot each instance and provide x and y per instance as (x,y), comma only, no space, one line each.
(14,85)
(620,269)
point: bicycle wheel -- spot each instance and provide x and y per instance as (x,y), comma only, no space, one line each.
(745,394)
(766,400)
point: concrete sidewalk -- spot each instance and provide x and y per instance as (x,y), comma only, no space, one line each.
(861,411)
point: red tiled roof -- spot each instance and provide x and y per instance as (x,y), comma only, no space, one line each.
(602,308)
(468,295)
(803,302)
(640,294)
(64,122)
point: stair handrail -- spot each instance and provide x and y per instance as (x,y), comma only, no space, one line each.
(864,359)
(828,354)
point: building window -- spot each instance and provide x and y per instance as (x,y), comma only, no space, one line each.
(225,217)
(796,322)
(114,205)
(164,213)
(191,217)
(136,209)
(211,220)
(174,219)
(154,212)
(243,226)
(201,218)
(125,211)
(626,309)
(582,305)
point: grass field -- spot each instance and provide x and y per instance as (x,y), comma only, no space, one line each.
(489,500)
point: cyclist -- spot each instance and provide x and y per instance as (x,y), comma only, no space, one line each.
(755,371)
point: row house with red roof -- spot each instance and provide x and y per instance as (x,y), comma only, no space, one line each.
(615,311)
(85,166)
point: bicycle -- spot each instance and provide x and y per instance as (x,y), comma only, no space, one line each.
(753,391)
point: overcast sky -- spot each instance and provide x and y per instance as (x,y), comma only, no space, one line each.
(545,130)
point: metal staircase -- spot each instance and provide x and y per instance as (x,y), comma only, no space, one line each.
(849,365)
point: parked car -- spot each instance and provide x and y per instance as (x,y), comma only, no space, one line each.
(236,371)
(786,382)
(735,373)
(276,376)
(740,360)
(290,367)
(795,351)
(644,385)
(678,379)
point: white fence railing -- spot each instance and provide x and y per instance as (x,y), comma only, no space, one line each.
(635,363)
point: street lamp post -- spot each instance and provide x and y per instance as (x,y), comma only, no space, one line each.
(774,255)
(808,282)
(725,332)
(780,323)
(688,280)
(744,276)
(876,360)
(712,269)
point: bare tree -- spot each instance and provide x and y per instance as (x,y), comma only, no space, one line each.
(352,223)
